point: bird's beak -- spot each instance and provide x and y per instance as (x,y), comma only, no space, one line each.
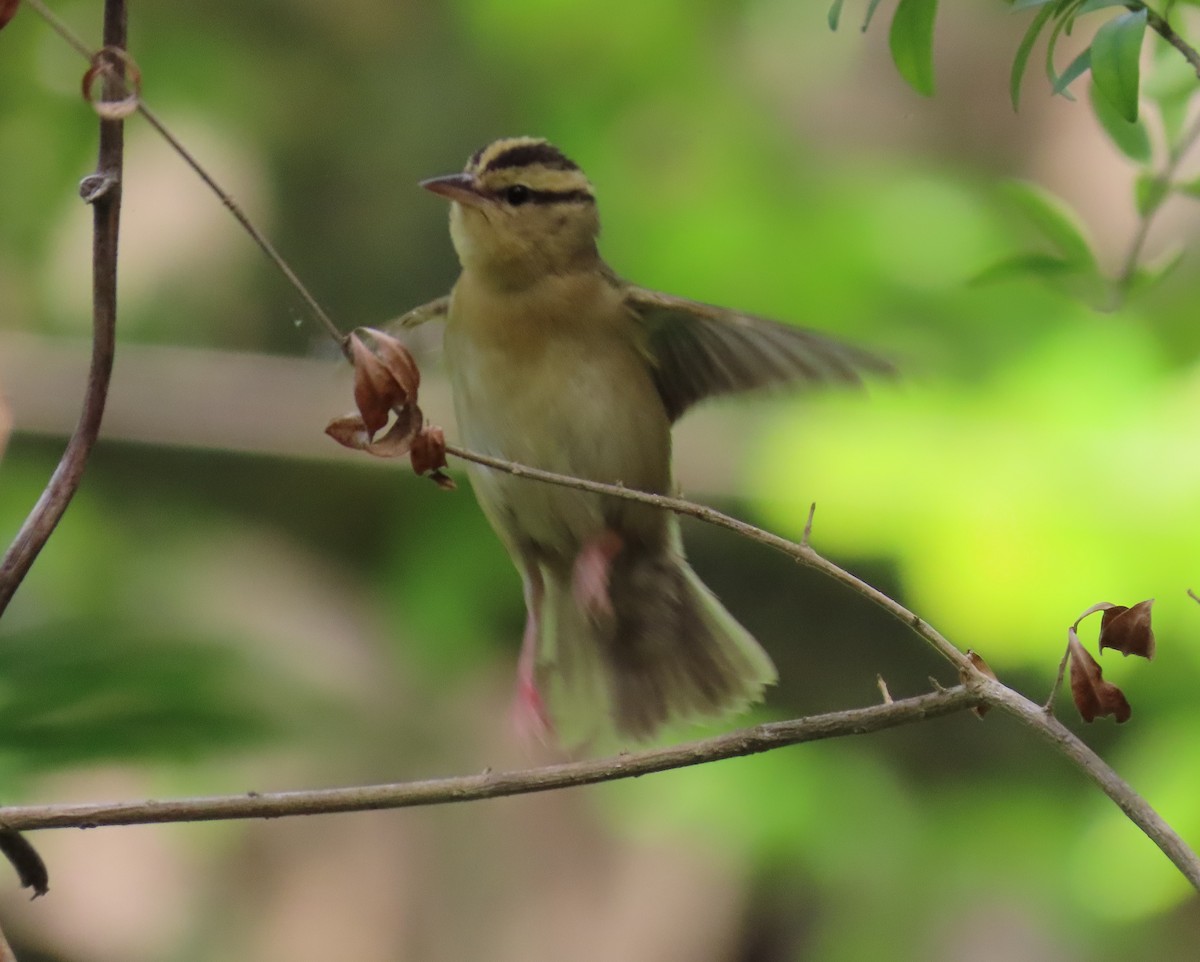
(463,188)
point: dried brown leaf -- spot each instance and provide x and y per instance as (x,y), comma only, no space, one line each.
(8,10)
(376,392)
(1093,695)
(398,360)
(398,440)
(429,450)
(429,457)
(1128,630)
(349,431)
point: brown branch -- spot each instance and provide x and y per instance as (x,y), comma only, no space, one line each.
(103,191)
(60,27)
(803,552)
(1098,770)
(746,741)
(995,693)
(1158,23)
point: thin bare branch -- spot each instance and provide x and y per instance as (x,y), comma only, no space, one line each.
(1158,23)
(746,741)
(106,210)
(1130,802)
(1098,770)
(63,30)
(802,553)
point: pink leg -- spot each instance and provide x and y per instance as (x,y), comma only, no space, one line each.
(590,576)
(529,715)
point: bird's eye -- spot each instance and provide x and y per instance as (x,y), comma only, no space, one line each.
(517,194)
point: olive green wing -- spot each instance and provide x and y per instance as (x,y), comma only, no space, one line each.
(700,351)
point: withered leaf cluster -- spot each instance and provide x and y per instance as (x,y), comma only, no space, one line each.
(386,382)
(1126,629)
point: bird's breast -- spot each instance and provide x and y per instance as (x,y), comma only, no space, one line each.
(560,384)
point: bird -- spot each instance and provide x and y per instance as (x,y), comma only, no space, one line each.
(555,362)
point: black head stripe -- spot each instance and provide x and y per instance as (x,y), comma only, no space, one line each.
(525,155)
(561,197)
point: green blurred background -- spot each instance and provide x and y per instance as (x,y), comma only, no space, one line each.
(233,603)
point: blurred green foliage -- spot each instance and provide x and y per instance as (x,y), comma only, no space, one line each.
(1039,457)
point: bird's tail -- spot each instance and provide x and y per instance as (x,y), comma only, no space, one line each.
(668,652)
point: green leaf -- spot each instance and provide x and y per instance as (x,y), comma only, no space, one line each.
(911,41)
(1131,139)
(1023,51)
(835,14)
(1189,188)
(1065,16)
(1116,49)
(1030,264)
(1074,69)
(1029,4)
(1149,191)
(1091,6)
(1055,221)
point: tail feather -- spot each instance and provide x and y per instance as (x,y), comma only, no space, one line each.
(670,653)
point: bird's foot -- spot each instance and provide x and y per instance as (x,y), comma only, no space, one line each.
(529,715)
(591,573)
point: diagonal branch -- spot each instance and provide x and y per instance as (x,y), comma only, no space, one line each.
(103,191)
(1159,24)
(802,552)
(1139,811)
(1098,770)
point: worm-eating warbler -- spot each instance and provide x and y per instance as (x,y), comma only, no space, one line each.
(556,362)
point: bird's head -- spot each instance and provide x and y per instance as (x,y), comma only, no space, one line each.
(520,210)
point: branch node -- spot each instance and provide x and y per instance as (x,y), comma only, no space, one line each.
(122,86)
(95,186)
(883,690)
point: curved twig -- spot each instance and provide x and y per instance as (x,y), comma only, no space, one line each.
(103,191)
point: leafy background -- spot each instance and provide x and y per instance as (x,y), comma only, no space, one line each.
(232,604)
